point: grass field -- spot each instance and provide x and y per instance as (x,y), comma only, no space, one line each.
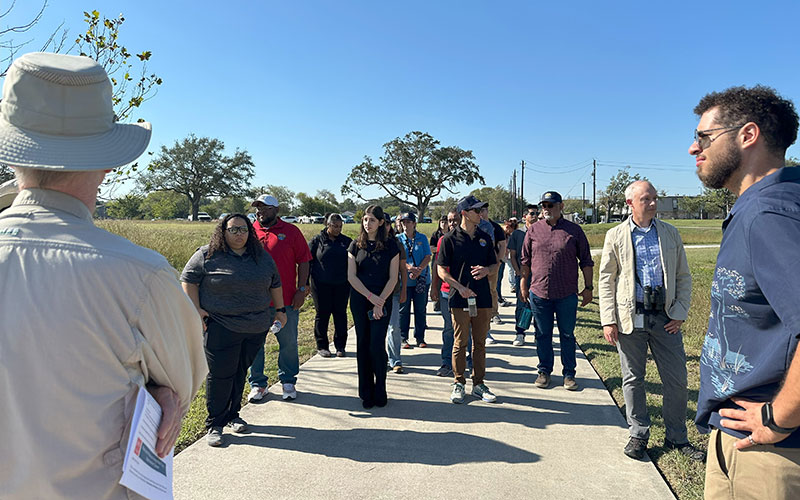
(178,240)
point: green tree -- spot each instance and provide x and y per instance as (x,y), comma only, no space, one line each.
(614,195)
(499,200)
(226,205)
(165,205)
(718,201)
(694,205)
(415,169)
(126,207)
(792,161)
(284,195)
(315,204)
(197,168)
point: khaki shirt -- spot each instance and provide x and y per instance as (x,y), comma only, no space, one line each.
(617,283)
(86,318)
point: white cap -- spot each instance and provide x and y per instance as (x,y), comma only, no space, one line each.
(266,199)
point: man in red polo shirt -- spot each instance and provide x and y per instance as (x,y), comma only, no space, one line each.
(288,248)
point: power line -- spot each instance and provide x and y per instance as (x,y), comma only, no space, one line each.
(641,163)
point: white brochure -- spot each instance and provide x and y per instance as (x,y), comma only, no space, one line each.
(143,471)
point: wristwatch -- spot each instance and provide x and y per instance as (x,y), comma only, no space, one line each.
(281,309)
(302,289)
(768,420)
(589,287)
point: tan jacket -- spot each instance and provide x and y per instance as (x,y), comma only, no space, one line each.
(617,287)
(86,318)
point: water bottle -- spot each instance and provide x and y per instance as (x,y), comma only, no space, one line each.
(276,327)
(473,307)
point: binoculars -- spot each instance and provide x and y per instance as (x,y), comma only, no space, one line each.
(654,298)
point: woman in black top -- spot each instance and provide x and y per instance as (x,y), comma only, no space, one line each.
(372,266)
(231,282)
(329,286)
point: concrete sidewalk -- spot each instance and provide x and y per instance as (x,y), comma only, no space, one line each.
(542,443)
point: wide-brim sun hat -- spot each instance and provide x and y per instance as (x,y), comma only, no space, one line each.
(57,114)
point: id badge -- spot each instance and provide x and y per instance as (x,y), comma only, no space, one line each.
(638,320)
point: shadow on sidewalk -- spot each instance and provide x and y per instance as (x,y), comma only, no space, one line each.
(385,446)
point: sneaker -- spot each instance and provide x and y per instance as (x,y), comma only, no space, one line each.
(444,371)
(686,449)
(214,436)
(506,303)
(542,381)
(325,353)
(340,354)
(636,448)
(289,392)
(422,344)
(482,392)
(496,320)
(570,384)
(457,396)
(238,425)
(398,369)
(520,340)
(257,394)
(406,345)
(489,339)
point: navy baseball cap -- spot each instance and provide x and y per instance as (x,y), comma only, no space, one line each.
(551,196)
(470,202)
(409,216)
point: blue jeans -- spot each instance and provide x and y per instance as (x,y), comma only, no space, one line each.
(448,334)
(500,279)
(288,360)
(394,337)
(566,313)
(420,301)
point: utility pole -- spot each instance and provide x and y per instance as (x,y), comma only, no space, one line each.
(583,202)
(514,204)
(594,191)
(522,184)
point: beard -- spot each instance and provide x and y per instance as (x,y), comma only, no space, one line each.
(265,221)
(722,168)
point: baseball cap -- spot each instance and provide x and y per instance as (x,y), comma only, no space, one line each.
(266,199)
(470,202)
(409,216)
(551,196)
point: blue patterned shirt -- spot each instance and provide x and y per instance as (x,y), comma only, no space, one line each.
(648,258)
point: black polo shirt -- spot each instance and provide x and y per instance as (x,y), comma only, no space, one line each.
(459,252)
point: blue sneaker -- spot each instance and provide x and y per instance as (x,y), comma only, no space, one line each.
(482,392)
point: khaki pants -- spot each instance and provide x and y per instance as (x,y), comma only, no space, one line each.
(461,331)
(761,472)
(493,286)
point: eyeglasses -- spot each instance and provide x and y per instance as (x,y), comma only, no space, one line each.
(547,205)
(477,210)
(532,214)
(264,208)
(238,230)
(704,140)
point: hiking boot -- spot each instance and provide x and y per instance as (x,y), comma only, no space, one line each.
(519,340)
(214,436)
(457,396)
(397,368)
(570,384)
(444,371)
(636,448)
(289,392)
(686,449)
(257,394)
(325,353)
(482,392)
(489,339)
(542,381)
(238,425)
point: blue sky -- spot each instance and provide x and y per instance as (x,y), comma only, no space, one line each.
(310,88)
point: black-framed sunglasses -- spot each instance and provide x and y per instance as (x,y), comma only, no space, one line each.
(477,210)
(237,229)
(547,205)
(704,140)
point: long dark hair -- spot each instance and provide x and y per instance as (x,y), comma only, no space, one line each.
(380,238)
(218,243)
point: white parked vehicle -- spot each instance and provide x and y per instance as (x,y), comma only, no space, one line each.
(290,219)
(202,217)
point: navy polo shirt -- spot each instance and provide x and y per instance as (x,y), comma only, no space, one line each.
(755,319)
(459,252)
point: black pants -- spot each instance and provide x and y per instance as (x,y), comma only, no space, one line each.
(371,355)
(229,355)
(330,300)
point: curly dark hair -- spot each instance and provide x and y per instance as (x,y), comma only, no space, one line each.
(377,212)
(218,243)
(774,115)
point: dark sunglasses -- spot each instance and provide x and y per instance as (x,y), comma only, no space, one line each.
(704,140)
(547,205)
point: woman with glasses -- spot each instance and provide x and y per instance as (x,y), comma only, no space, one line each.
(372,272)
(329,286)
(231,282)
